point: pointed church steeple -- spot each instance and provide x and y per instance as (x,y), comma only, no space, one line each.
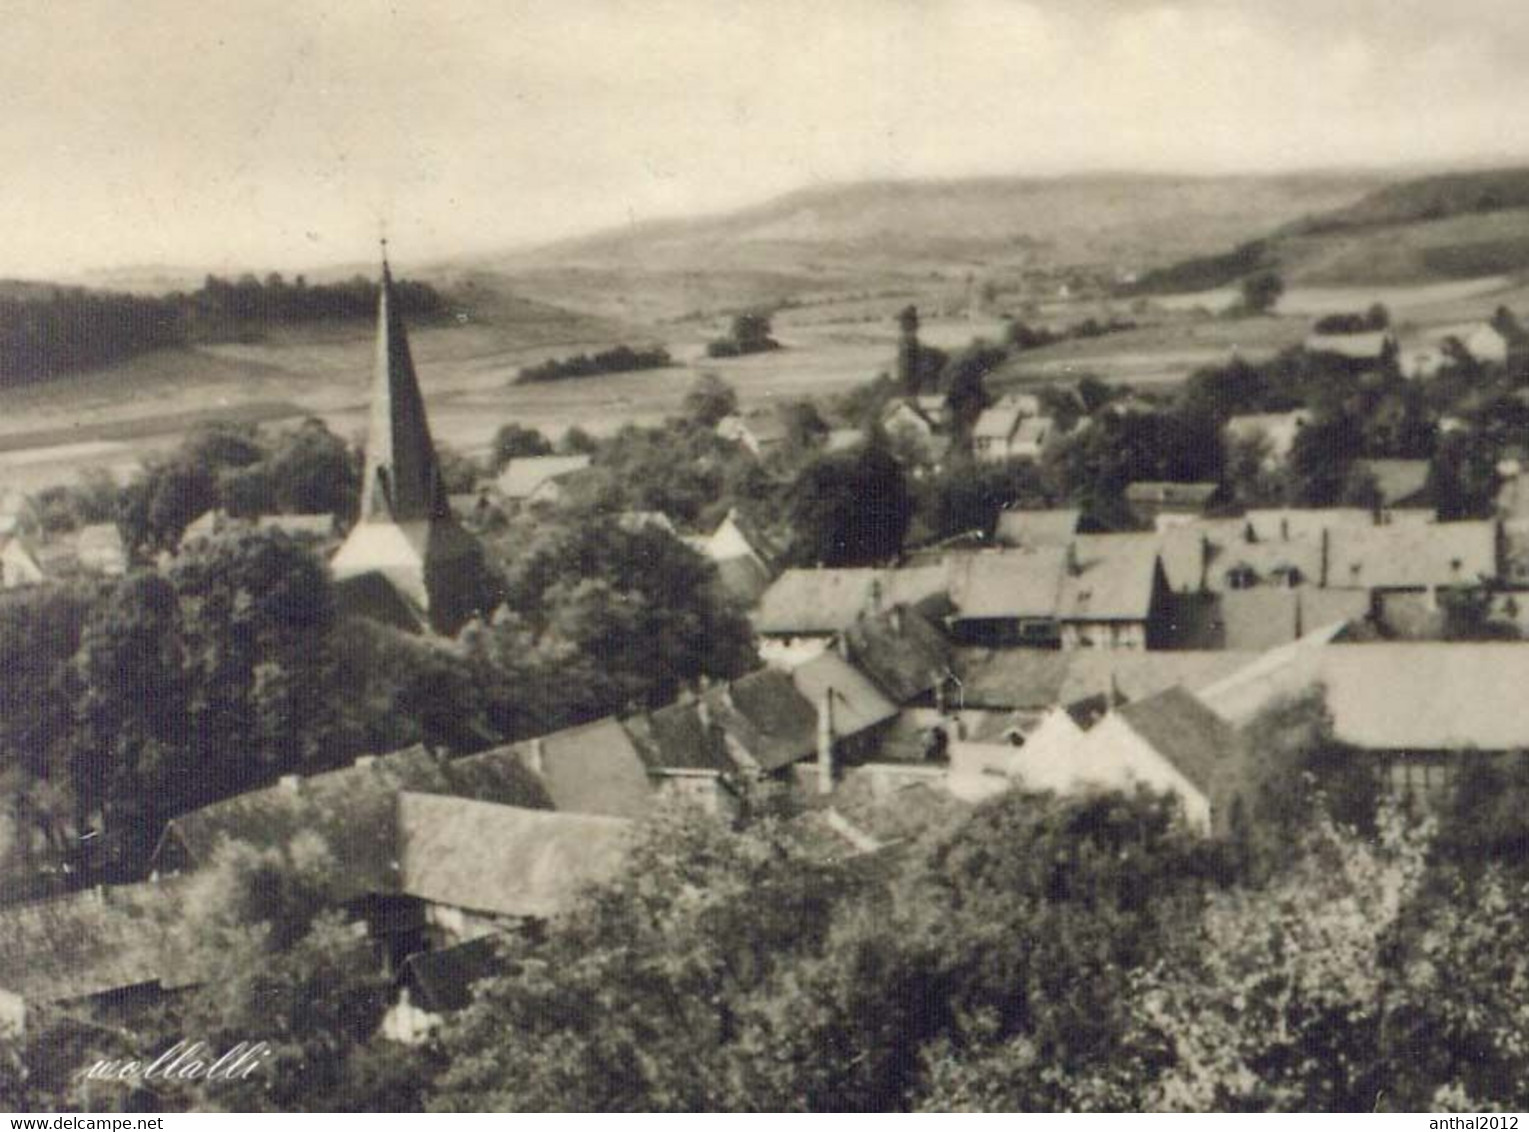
(406,535)
(403,476)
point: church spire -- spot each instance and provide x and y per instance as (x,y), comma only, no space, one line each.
(403,477)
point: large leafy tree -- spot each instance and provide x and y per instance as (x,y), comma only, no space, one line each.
(850,509)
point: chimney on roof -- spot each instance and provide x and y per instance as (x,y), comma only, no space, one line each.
(1073,566)
(534,755)
(873,595)
(290,782)
(826,743)
(1284,527)
(897,620)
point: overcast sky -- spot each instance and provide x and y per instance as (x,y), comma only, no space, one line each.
(282,133)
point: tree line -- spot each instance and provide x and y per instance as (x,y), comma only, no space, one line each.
(77,329)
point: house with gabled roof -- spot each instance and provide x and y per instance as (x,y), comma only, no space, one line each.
(106,946)
(100,550)
(808,604)
(1400,483)
(535,480)
(745,558)
(760,431)
(1008,597)
(1029,529)
(1151,499)
(1419,557)
(593,768)
(19,565)
(18,515)
(1114,593)
(477,866)
(1276,430)
(903,652)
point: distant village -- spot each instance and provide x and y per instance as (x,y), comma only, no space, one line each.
(1038,652)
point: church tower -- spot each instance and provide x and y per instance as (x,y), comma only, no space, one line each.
(406,533)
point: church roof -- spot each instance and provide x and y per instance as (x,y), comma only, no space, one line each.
(403,477)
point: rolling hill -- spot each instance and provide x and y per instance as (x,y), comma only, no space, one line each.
(1425,230)
(870,228)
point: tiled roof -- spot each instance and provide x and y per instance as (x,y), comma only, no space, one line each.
(524,474)
(1412,555)
(1433,696)
(901,651)
(594,768)
(1266,617)
(1037,528)
(1186,733)
(442,980)
(1013,583)
(1399,481)
(857,703)
(827,601)
(680,737)
(1012,679)
(351,810)
(1139,676)
(503,860)
(1114,579)
(92,942)
(1278,673)
(997,423)
(1164,493)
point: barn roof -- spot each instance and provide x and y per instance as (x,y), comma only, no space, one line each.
(503,860)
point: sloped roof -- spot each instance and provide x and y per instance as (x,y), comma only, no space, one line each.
(1272,524)
(1280,672)
(901,651)
(594,768)
(1412,555)
(814,601)
(1269,561)
(402,480)
(857,703)
(1010,583)
(744,578)
(524,474)
(827,601)
(1268,616)
(1185,732)
(1370,345)
(503,860)
(1165,493)
(767,717)
(351,810)
(442,980)
(1114,579)
(1429,696)
(92,942)
(1139,676)
(1399,481)
(375,597)
(998,422)
(680,737)
(1037,528)
(1032,432)
(297,526)
(1012,678)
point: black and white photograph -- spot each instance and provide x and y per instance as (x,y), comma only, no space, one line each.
(821,556)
